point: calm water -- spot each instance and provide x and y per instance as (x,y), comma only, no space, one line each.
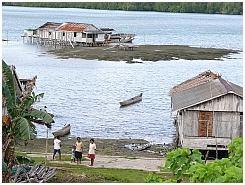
(86,93)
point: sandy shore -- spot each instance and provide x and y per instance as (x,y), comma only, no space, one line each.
(143,52)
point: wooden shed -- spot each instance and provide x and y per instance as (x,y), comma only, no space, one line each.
(209,112)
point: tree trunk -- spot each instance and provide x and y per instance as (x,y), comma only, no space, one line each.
(8,157)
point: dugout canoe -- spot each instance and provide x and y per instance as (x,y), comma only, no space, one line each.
(64,131)
(131,100)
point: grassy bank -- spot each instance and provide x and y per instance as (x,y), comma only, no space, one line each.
(83,174)
(70,172)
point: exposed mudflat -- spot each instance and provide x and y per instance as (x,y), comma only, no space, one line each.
(143,52)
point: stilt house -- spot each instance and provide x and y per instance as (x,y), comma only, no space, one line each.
(47,31)
(70,32)
(80,32)
(209,112)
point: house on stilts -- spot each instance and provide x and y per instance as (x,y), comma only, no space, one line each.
(209,112)
(71,33)
(86,34)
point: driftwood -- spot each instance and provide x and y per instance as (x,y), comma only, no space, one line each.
(37,174)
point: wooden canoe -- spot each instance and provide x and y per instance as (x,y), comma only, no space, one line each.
(65,130)
(132,100)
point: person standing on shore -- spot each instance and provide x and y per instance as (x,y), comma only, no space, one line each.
(57,145)
(79,150)
(73,158)
(91,152)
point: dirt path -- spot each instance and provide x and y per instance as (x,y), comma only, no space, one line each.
(102,161)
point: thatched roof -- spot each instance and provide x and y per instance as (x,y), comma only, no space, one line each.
(195,81)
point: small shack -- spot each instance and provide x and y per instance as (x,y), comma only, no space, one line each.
(209,112)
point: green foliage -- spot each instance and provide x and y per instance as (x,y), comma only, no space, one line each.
(235,149)
(17,124)
(20,113)
(181,159)
(233,8)
(224,170)
(24,160)
(153,178)
(8,89)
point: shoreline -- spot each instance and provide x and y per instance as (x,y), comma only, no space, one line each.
(142,52)
(106,147)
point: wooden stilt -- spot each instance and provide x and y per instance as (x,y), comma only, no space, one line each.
(206,156)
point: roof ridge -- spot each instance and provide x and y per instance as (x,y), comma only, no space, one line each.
(226,85)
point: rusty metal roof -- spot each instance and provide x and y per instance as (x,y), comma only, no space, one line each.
(204,92)
(198,80)
(75,27)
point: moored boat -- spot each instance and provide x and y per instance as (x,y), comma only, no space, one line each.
(64,131)
(132,100)
(120,38)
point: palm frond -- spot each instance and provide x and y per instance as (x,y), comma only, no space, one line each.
(38,114)
(23,129)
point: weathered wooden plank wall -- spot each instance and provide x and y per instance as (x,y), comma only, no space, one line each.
(228,102)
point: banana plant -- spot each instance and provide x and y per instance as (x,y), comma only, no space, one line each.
(17,124)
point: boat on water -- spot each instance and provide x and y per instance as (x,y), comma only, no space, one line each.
(64,131)
(131,100)
(120,38)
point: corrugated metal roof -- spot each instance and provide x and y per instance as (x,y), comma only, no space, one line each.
(195,81)
(75,27)
(204,92)
(49,26)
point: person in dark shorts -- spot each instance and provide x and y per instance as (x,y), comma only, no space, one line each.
(57,145)
(79,150)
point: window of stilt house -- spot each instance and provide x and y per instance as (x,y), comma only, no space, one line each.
(75,34)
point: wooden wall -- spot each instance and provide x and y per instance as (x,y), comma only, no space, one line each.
(229,102)
(224,125)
